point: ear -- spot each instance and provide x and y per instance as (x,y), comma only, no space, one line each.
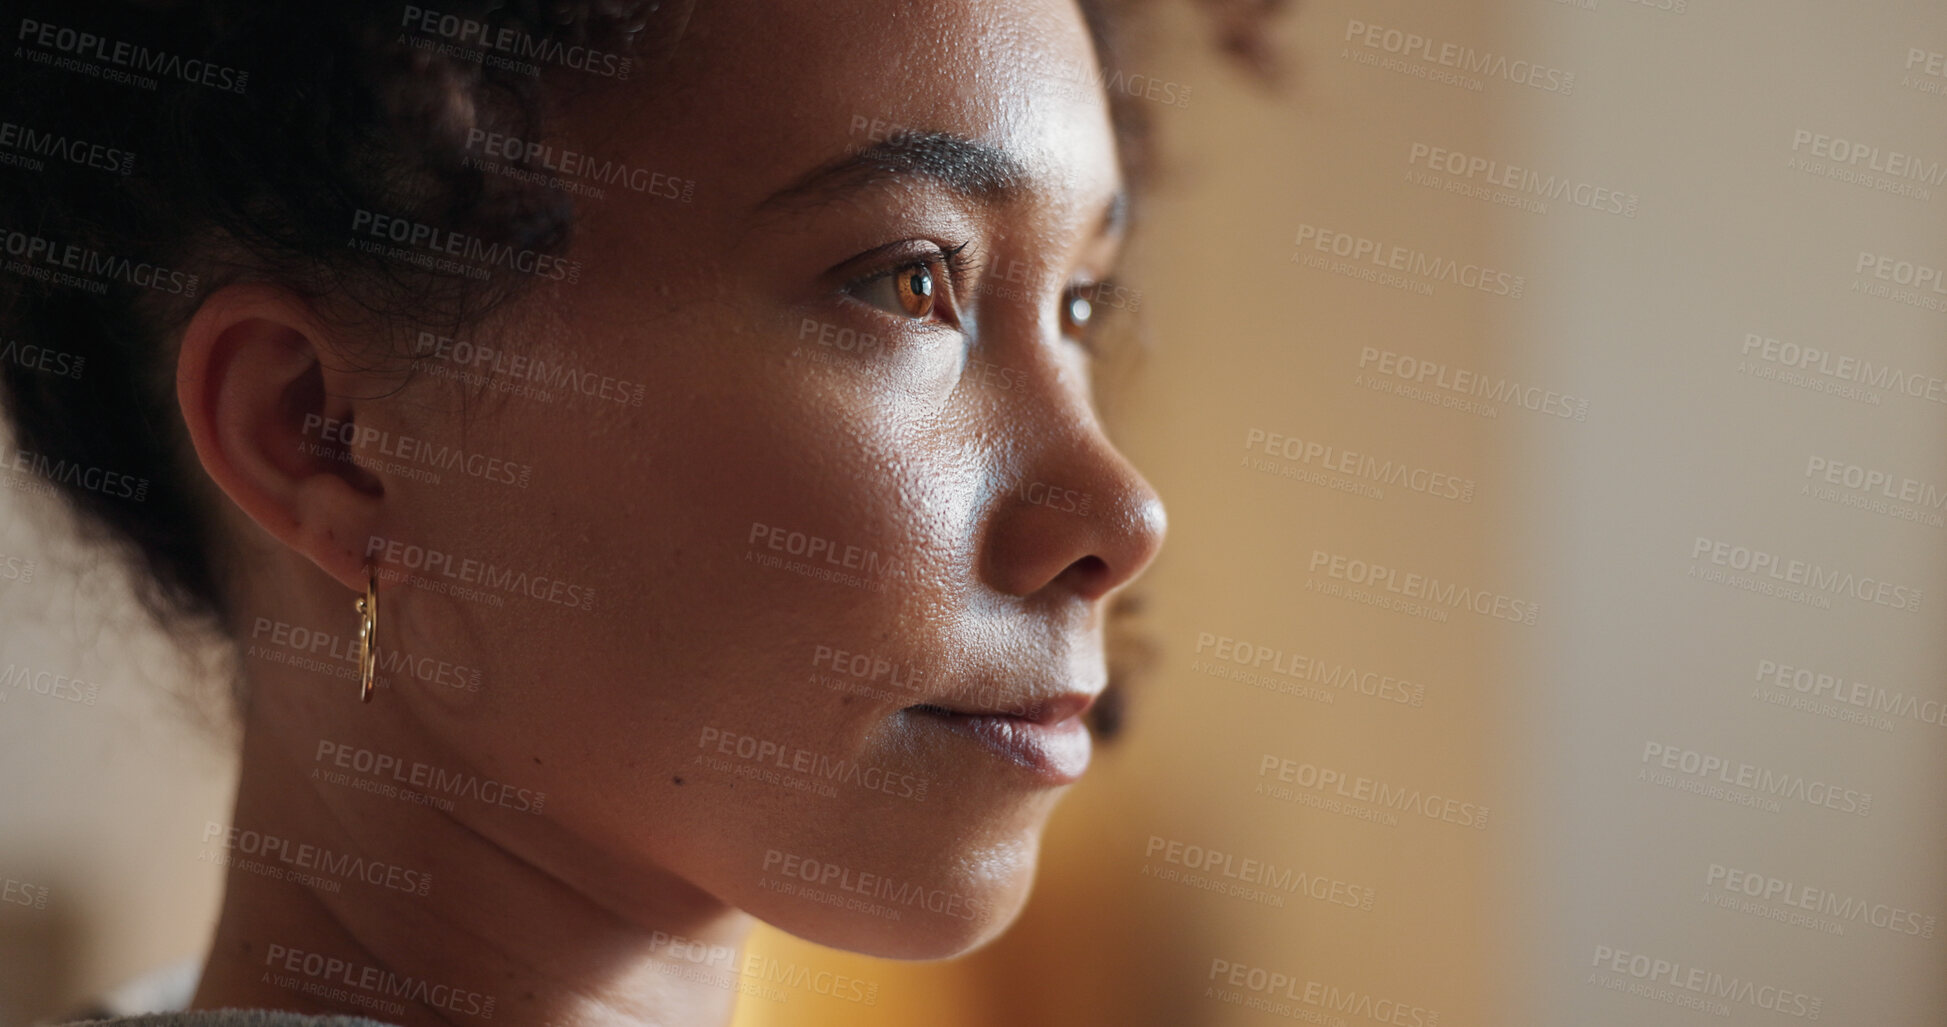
(270,412)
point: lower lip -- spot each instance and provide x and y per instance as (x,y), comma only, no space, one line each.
(1057,753)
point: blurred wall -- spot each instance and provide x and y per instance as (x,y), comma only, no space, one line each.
(1547,397)
(110,772)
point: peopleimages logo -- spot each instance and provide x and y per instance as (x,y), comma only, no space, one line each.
(1229,868)
(1399,266)
(1526,182)
(508,42)
(578,172)
(67,472)
(113,54)
(1436,374)
(1869,698)
(240,843)
(433,779)
(427,245)
(62,262)
(1698,984)
(1703,772)
(1787,577)
(22,893)
(16,568)
(330,976)
(1136,84)
(1901,272)
(481,364)
(1891,163)
(815,768)
(1423,589)
(876,888)
(1316,997)
(1413,46)
(1823,902)
(1926,71)
(869,667)
(455,574)
(1834,371)
(294,644)
(1338,785)
(1270,660)
(1902,281)
(41,358)
(1360,466)
(29,143)
(23,679)
(757,972)
(364,440)
(816,548)
(1874,484)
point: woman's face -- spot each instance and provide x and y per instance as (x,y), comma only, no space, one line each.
(863,484)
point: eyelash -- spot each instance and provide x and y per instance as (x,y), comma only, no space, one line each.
(958,263)
(962,265)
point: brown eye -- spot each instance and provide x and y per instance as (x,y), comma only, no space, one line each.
(908,292)
(1076,309)
(916,291)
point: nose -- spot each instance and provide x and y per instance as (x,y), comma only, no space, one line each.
(1075,516)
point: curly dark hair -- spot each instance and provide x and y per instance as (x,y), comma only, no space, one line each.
(158,150)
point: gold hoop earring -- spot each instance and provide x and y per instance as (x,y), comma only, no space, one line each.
(367,606)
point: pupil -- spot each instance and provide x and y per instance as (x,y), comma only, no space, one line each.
(921,282)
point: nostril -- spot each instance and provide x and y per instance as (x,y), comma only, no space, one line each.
(1090,576)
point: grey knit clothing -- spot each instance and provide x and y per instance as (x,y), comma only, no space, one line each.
(137,1002)
(231,1018)
(170,988)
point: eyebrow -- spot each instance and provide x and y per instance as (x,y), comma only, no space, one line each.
(972,168)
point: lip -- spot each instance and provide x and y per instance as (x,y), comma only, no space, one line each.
(1051,741)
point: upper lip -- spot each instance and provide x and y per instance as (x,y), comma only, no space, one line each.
(1045,709)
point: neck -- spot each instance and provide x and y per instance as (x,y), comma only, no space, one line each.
(383,894)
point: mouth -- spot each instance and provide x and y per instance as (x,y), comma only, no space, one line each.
(1047,739)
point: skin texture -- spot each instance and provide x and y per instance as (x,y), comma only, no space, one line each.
(961,451)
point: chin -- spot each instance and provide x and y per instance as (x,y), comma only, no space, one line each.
(923,917)
(917,935)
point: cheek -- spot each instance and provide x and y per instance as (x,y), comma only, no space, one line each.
(734,530)
(737,529)
(793,501)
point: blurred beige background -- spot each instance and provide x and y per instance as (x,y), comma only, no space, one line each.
(1710,340)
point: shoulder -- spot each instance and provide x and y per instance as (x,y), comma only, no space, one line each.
(231,1018)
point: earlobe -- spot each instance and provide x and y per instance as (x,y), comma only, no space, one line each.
(271,421)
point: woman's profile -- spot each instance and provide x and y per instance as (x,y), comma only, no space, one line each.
(642,456)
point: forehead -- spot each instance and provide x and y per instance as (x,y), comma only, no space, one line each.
(760,91)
